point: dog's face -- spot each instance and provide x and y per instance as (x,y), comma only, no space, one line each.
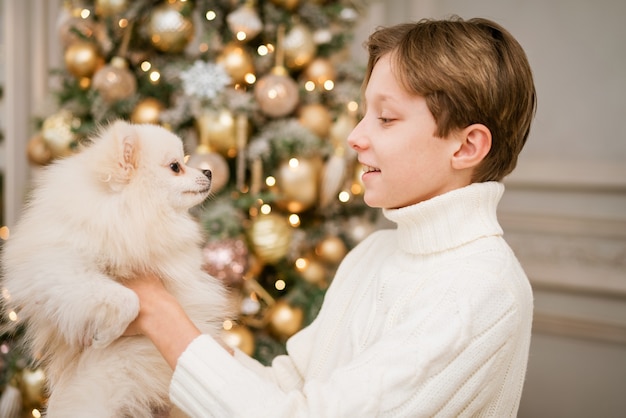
(148,161)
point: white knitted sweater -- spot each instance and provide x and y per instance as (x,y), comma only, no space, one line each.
(430,319)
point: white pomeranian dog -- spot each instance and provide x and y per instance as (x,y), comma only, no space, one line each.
(97,219)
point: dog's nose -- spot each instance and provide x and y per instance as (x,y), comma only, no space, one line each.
(207,173)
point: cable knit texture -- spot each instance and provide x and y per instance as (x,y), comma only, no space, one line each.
(431,319)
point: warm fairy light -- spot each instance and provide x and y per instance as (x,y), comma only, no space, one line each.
(294,163)
(356,188)
(270,181)
(145,66)
(294,220)
(329,85)
(309,85)
(241,35)
(13,316)
(352,106)
(122,23)
(85,13)
(266,209)
(155,76)
(280,284)
(344,196)
(5,294)
(36,413)
(4,233)
(301,263)
(227,325)
(203,47)
(4,349)
(210,15)
(262,50)
(250,78)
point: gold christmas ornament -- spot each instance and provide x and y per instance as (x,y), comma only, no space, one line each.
(333,177)
(169,30)
(316,117)
(313,272)
(217,129)
(237,61)
(110,7)
(32,385)
(57,133)
(270,236)
(331,249)
(82,59)
(239,336)
(114,81)
(244,22)
(285,319)
(277,93)
(319,71)
(298,182)
(148,110)
(300,48)
(287,4)
(37,151)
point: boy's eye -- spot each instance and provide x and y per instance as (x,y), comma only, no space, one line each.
(385,120)
(175,166)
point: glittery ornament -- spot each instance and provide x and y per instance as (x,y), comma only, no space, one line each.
(316,117)
(285,319)
(37,151)
(277,93)
(237,61)
(270,236)
(244,22)
(32,385)
(217,130)
(226,259)
(169,30)
(204,80)
(319,71)
(298,183)
(82,59)
(114,81)
(331,249)
(57,133)
(110,7)
(147,110)
(240,337)
(313,272)
(299,46)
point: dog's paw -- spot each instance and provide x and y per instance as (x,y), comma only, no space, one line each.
(112,318)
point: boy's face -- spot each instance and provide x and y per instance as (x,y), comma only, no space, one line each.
(404,162)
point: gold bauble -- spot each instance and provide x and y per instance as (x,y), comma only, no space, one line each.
(287,4)
(237,61)
(316,117)
(82,59)
(147,110)
(319,71)
(331,249)
(209,160)
(245,20)
(270,236)
(169,30)
(217,129)
(277,94)
(110,7)
(298,183)
(57,132)
(313,272)
(299,47)
(115,81)
(239,336)
(285,319)
(37,151)
(32,385)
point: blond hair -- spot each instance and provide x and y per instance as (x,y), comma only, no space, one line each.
(468,71)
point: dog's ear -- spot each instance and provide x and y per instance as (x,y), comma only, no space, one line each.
(122,156)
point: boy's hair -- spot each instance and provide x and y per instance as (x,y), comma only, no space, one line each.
(469,72)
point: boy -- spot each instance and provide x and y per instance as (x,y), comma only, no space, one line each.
(432,318)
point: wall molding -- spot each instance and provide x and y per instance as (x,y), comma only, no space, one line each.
(579,328)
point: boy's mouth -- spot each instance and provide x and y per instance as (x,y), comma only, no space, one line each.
(369,169)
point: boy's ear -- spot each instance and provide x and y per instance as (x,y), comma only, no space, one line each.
(474,145)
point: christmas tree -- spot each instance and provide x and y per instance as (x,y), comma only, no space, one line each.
(263,93)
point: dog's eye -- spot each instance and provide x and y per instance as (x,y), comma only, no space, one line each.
(175,167)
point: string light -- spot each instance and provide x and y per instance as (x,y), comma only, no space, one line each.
(266,209)
(270,181)
(145,66)
(294,220)
(344,196)
(85,13)
(210,15)
(280,284)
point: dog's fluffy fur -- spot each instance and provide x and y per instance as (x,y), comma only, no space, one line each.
(97,219)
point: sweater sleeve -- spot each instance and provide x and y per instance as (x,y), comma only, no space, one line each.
(446,365)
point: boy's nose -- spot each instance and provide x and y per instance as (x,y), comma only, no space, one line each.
(356,139)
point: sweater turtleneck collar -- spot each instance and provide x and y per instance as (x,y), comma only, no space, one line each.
(449,220)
